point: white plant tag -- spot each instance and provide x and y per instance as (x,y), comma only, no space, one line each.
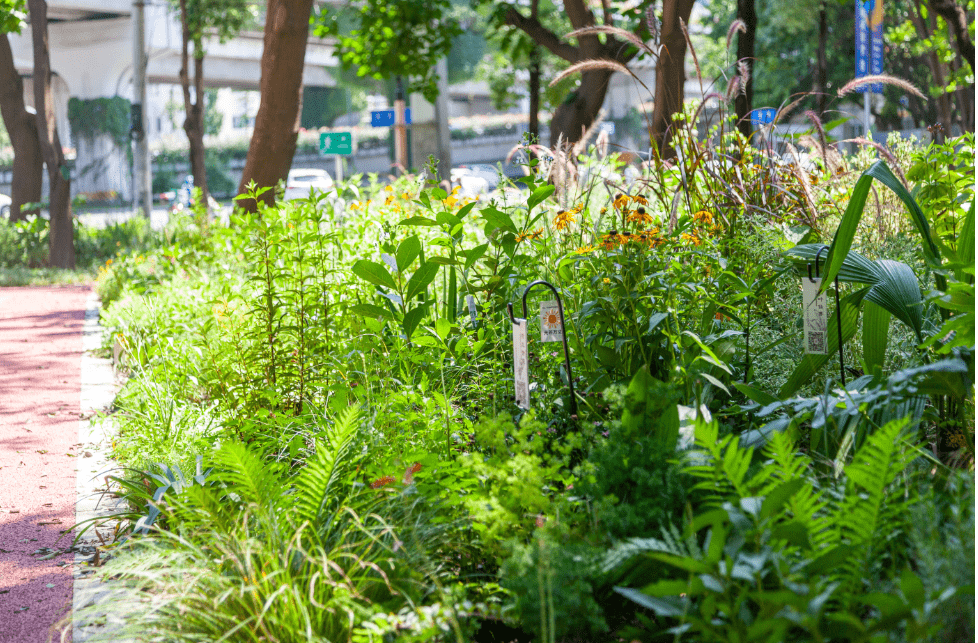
(521,364)
(550,326)
(470,300)
(816,316)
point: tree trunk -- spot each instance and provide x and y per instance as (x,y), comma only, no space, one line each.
(942,102)
(670,74)
(957,23)
(22,128)
(277,123)
(193,123)
(534,124)
(572,117)
(61,238)
(745,55)
(822,65)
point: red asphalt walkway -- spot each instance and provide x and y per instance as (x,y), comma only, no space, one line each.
(40,388)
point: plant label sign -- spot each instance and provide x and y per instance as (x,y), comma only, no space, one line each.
(551,330)
(470,300)
(816,317)
(521,364)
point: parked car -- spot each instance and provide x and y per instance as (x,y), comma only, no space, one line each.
(5,202)
(301,182)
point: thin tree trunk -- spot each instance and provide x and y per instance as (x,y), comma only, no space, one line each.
(822,66)
(193,123)
(534,125)
(942,104)
(745,55)
(957,23)
(61,238)
(22,128)
(670,74)
(277,123)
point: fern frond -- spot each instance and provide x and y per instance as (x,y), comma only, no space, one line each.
(254,481)
(870,475)
(319,483)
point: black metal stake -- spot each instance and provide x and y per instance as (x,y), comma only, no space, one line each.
(838,310)
(563,333)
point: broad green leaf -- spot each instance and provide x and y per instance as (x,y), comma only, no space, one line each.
(473,255)
(876,331)
(443,327)
(495,218)
(418,221)
(412,319)
(375,273)
(671,606)
(407,252)
(539,194)
(755,394)
(810,364)
(421,279)
(369,310)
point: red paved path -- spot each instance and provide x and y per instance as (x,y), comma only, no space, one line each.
(40,371)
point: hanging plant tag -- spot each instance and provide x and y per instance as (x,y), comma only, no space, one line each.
(816,317)
(470,300)
(521,365)
(551,330)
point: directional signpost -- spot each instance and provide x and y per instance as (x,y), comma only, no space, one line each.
(338,144)
(869,49)
(385,117)
(763,116)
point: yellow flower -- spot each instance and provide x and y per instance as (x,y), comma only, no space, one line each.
(638,198)
(406,195)
(563,219)
(583,250)
(524,236)
(389,188)
(606,280)
(389,199)
(690,238)
(536,234)
(703,216)
(640,217)
(620,202)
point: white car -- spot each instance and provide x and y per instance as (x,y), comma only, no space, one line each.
(302,181)
(5,202)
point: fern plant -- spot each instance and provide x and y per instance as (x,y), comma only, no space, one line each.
(777,553)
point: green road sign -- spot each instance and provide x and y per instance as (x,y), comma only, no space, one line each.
(336,143)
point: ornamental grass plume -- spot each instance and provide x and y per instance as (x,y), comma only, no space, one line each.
(591,64)
(624,34)
(735,26)
(884,79)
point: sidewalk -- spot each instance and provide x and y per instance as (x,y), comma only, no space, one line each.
(40,398)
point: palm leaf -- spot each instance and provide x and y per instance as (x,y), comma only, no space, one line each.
(844,235)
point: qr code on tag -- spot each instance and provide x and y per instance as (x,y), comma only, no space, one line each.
(816,343)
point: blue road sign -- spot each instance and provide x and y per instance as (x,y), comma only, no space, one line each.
(869,42)
(385,117)
(763,116)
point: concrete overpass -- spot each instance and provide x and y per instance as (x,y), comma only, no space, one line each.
(92,57)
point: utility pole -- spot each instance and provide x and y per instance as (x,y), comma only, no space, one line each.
(142,181)
(400,126)
(441,118)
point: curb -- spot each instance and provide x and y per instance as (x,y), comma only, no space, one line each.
(98,391)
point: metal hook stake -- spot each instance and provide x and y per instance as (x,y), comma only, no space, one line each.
(563,333)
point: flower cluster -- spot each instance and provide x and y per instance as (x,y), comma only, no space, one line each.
(565,218)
